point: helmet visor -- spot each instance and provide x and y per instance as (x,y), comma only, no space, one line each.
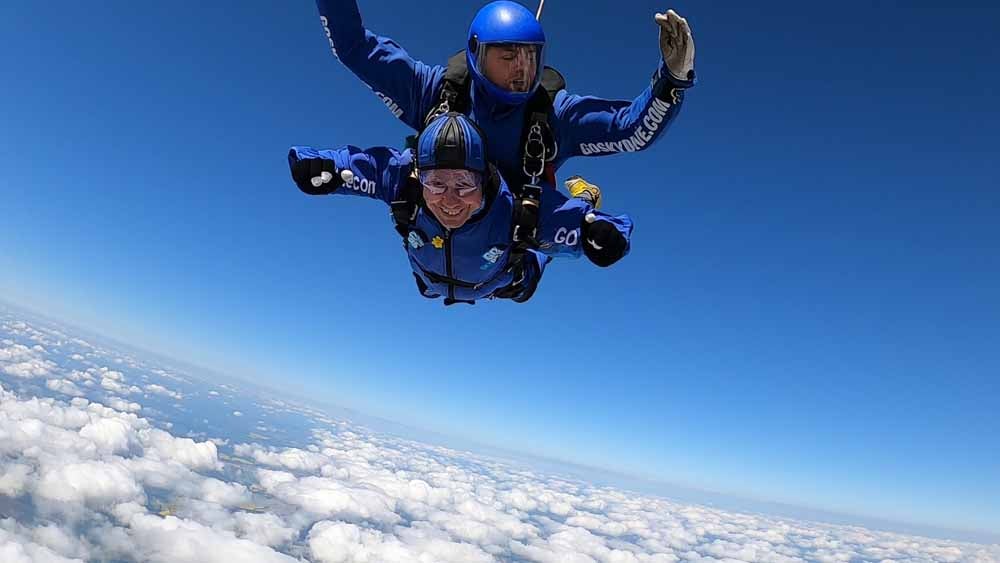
(510,66)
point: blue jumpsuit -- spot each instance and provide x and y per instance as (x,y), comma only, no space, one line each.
(583,125)
(470,262)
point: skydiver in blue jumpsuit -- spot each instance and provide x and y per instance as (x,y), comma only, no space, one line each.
(458,237)
(505,55)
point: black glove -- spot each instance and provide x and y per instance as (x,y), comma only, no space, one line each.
(603,243)
(314,176)
(525,282)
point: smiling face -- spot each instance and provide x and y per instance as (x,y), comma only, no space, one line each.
(452,196)
(511,66)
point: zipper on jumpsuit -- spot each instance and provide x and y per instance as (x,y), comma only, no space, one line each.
(447,261)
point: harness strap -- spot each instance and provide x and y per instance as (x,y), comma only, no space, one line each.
(404,210)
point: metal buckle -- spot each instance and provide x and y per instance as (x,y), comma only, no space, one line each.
(447,98)
(534,153)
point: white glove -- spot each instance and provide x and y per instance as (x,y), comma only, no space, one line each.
(676,44)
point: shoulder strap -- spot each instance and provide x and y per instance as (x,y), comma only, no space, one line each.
(455,88)
(457,83)
(538,149)
(538,140)
(456,74)
(404,208)
(552,82)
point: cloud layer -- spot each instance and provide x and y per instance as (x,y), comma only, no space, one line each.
(92,472)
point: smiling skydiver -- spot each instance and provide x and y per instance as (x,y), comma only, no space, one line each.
(532,125)
(456,215)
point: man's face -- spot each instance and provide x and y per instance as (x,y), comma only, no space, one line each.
(452,195)
(511,66)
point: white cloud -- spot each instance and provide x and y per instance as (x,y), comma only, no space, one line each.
(18,549)
(265,529)
(161,390)
(111,374)
(477,507)
(61,541)
(94,483)
(290,458)
(21,361)
(110,435)
(36,429)
(113,385)
(170,375)
(122,405)
(328,498)
(101,483)
(77,375)
(124,511)
(195,455)
(173,540)
(222,493)
(338,542)
(14,352)
(13,478)
(64,386)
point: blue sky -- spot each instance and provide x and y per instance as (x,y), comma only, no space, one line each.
(809,314)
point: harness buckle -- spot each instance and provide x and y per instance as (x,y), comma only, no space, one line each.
(535,153)
(526,214)
(448,97)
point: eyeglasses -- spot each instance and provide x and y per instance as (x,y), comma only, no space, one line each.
(462,182)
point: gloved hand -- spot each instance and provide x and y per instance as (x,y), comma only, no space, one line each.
(315,176)
(676,44)
(527,269)
(603,243)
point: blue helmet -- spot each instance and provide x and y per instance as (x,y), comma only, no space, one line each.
(504,22)
(451,141)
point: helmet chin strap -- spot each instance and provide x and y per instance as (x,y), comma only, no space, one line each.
(538,14)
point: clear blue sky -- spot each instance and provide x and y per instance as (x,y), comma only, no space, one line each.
(810,313)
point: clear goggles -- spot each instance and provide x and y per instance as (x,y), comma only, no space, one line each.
(461,182)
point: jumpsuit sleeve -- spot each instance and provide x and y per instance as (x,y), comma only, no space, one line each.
(406,86)
(592,126)
(377,172)
(562,220)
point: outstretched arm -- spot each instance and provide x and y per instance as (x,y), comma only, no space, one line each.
(406,86)
(571,226)
(591,126)
(377,172)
